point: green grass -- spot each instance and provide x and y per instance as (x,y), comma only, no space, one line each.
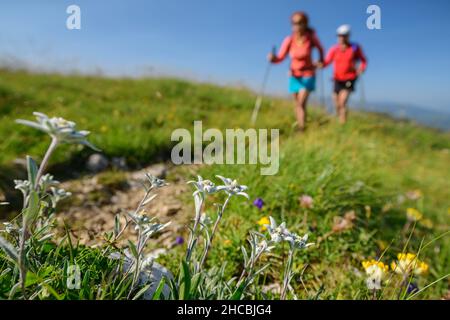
(364,166)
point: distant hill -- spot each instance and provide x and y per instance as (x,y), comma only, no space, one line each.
(426,116)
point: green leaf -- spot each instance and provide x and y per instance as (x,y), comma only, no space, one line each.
(141,292)
(31,279)
(133,249)
(185,276)
(32,171)
(195,282)
(32,211)
(237,295)
(116,225)
(159,289)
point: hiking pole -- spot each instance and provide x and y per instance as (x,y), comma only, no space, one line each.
(322,91)
(363,94)
(261,92)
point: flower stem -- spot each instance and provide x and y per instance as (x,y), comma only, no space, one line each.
(44,162)
(193,235)
(287,273)
(219,217)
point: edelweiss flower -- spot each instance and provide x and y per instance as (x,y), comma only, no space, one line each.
(205,219)
(155,182)
(263,247)
(408,263)
(281,233)
(145,223)
(59,129)
(57,195)
(204,186)
(277,233)
(232,187)
(23,186)
(298,242)
(47,181)
(10,228)
(376,272)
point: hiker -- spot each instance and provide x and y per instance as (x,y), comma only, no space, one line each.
(299,46)
(344,55)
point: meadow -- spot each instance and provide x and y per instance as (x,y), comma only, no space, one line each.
(371,189)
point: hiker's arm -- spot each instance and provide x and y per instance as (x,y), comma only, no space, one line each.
(319,47)
(329,58)
(282,53)
(363,61)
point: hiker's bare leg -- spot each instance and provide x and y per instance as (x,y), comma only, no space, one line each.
(336,102)
(300,108)
(342,105)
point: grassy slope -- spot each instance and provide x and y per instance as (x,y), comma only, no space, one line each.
(134,118)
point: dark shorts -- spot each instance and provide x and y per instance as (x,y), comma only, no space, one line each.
(344,85)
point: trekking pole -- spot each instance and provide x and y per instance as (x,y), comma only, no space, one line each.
(363,94)
(261,92)
(322,91)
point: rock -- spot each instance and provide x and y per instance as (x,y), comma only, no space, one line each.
(21,162)
(97,162)
(152,274)
(119,163)
(170,210)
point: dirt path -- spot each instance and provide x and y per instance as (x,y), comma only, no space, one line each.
(93,205)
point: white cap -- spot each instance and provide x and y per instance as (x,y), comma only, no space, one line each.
(343,30)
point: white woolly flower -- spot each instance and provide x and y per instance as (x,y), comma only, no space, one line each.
(155,182)
(204,186)
(232,187)
(59,129)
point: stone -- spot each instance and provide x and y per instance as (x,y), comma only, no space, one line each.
(152,274)
(97,162)
(119,163)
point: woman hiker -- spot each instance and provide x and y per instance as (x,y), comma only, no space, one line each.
(345,55)
(299,45)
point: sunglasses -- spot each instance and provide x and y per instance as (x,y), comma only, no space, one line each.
(298,23)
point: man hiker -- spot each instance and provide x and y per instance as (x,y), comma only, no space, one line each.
(299,46)
(344,55)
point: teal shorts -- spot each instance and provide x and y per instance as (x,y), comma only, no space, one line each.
(297,84)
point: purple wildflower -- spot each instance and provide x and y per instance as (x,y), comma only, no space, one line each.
(259,203)
(179,240)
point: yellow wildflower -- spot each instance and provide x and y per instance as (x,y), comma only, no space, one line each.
(376,272)
(427,223)
(263,222)
(413,214)
(408,263)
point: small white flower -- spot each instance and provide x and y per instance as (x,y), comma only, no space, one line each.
(58,194)
(47,181)
(263,247)
(280,233)
(23,186)
(205,219)
(204,186)
(59,129)
(277,233)
(155,182)
(232,187)
(10,228)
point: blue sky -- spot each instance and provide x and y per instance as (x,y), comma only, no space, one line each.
(227,41)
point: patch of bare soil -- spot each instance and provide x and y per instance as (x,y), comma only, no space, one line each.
(96,200)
